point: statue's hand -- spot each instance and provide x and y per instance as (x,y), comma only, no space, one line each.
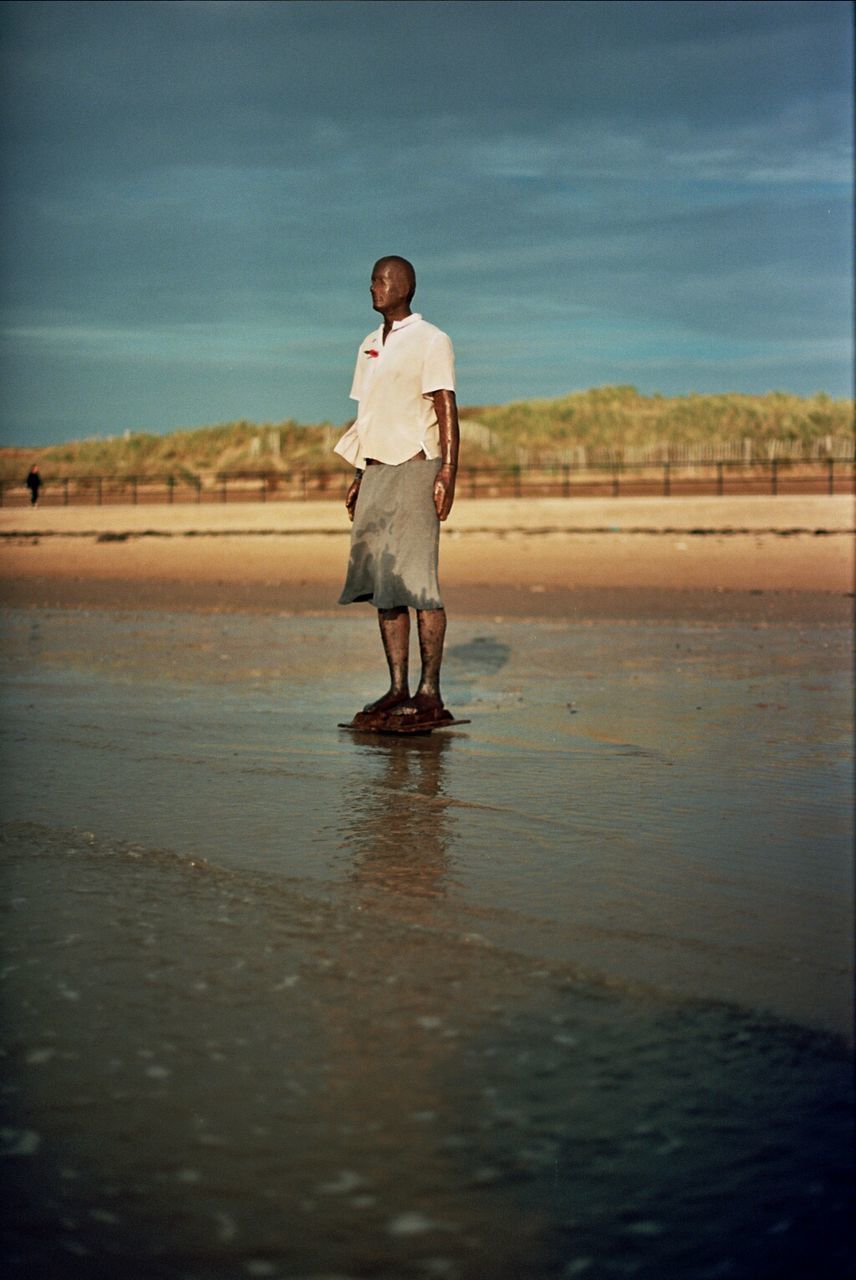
(444,490)
(351,499)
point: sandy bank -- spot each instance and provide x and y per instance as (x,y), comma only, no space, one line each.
(541,557)
(496,514)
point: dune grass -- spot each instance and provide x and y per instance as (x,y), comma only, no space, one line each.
(615,420)
(603,422)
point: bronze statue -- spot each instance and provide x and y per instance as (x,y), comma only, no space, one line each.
(404,444)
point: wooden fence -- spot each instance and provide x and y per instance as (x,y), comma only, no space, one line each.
(722,476)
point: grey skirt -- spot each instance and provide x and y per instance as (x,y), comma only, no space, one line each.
(395,538)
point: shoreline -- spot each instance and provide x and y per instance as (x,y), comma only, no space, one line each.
(643,605)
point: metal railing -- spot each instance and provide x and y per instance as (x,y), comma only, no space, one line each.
(666,479)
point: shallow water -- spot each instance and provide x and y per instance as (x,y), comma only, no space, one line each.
(549,995)
(662,804)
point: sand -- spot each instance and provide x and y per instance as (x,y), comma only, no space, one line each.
(542,557)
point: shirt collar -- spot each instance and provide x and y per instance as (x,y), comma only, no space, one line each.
(411,319)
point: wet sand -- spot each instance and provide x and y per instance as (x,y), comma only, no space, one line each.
(567,992)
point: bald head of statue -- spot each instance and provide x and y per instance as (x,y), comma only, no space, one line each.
(392,278)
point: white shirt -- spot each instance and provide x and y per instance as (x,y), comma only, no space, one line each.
(393,381)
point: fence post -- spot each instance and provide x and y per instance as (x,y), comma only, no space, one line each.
(830,475)
(198,483)
(263,491)
(517,474)
(65,491)
(303,486)
(667,479)
(774,476)
(98,490)
(170,485)
(616,485)
(2,487)
(222,488)
(720,481)
(566,481)
(472,482)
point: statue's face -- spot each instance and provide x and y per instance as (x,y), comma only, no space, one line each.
(390,286)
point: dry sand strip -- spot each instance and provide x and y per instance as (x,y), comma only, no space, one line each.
(753,557)
(809,512)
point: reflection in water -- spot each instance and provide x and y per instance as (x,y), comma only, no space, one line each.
(394,1030)
(34,640)
(396,821)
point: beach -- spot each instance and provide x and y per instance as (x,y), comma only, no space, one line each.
(497,554)
(564,992)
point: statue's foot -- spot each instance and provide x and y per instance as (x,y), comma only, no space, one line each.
(375,713)
(423,710)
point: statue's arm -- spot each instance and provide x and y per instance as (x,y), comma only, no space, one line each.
(353,493)
(351,499)
(446,409)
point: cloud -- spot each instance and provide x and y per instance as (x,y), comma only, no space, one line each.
(191,184)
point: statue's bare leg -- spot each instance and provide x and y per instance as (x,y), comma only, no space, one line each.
(431,624)
(425,709)
(395,634)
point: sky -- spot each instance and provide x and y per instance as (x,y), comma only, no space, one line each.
(653,194)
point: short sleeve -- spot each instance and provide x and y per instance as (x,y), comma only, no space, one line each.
(357,384)
(438,367)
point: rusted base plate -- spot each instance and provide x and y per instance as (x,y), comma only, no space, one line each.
(411,731)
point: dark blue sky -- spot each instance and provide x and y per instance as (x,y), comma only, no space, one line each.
(646,193)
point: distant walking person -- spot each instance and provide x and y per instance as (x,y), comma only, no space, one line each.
(404,445)
(34,483)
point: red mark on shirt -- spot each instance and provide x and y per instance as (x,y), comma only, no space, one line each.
(371,352)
